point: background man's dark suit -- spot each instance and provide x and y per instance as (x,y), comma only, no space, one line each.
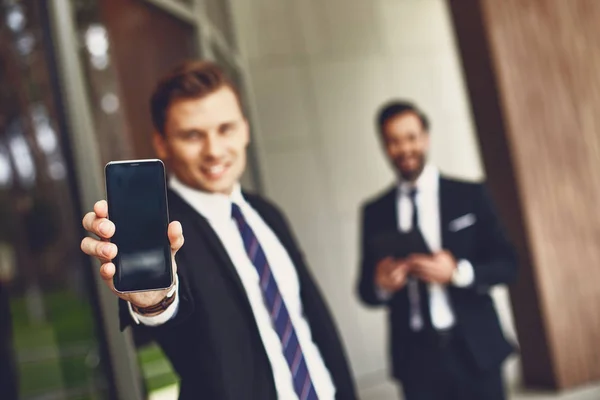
(213,342)
(483,243)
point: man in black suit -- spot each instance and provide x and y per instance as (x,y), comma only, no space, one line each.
(446,340)
(245,319)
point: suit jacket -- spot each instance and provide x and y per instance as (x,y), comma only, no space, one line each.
(213,342)
(480,240)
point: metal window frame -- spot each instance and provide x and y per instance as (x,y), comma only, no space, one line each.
(89,176)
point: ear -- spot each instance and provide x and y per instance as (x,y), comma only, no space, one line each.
(426,140)
(246,128)
(160,145)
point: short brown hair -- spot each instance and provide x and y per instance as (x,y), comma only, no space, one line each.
(190,80)
(396,107)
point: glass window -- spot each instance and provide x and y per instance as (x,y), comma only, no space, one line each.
(105,97)
(127,45)
(49,340)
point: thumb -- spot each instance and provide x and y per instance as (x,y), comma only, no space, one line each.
(175,233)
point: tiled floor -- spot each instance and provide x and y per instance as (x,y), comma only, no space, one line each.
(585,393)
(378,387)
(388,391)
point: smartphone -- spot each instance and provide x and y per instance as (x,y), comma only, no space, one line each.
(399,245)
(136,192)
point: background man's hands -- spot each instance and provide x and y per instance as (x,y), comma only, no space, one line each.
(391,275)
(437,268)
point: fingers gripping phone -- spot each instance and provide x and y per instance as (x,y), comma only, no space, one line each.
(136,192)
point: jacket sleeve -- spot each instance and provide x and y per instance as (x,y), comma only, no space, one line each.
(495,260)
(366,284)
(184,310)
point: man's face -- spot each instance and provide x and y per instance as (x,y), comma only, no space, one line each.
(406,144)
(205,141)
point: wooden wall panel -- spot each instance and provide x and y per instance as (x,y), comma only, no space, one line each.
(533,71)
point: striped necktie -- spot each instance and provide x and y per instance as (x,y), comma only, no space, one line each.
(280,317)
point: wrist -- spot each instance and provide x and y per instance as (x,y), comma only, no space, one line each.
(463,275)
(453,273)
(155,307)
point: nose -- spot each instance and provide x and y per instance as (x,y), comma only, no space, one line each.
(213,147)
(402,148)
(407,147)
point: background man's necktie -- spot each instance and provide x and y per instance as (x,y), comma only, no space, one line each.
(423,292)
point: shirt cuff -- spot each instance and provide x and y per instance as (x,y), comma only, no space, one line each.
(164,316)
(464,275)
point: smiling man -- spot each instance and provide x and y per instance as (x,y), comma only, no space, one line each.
(245,319)
(446,341)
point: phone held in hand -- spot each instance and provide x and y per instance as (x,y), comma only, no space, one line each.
(136,193)
(398,245)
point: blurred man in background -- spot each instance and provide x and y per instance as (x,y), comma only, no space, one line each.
(245,319)
(446,340)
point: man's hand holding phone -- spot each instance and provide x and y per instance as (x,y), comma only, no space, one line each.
(436,268)
(391,274)
(97,222)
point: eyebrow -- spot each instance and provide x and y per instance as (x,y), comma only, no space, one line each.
(184,131)
(231,122)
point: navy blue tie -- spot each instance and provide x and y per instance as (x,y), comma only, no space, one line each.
(423,291)
(413,201)
(280,317)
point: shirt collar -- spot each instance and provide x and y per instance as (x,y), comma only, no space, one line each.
(212,206)
(428,181)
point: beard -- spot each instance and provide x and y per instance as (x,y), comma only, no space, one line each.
(410,174)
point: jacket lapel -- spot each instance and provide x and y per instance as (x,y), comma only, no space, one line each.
(388,212)
(447,199)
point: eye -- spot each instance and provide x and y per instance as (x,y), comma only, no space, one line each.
(391,141)
(190,135)
(227,128)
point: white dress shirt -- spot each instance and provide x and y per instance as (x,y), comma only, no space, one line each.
(216,208)
(428,205)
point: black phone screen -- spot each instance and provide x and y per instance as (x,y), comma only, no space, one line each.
(137,205)
(399,244)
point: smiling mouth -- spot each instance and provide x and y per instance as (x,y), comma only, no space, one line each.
(214,172)
(407,162)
